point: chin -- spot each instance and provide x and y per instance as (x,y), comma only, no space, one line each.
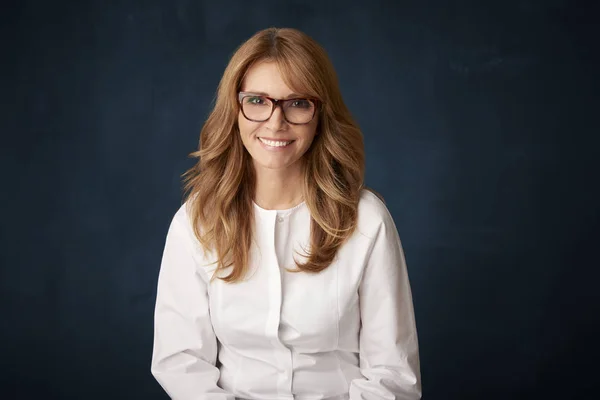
(273,165)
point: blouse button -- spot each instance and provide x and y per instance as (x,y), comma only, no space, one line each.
(279,218)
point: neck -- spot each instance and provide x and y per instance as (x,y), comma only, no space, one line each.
(278,189)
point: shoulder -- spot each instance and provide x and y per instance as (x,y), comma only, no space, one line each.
(181,224)
(185,212)
(373,214)
(181,216)
(182,228)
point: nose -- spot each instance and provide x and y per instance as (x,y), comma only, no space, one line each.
(277,121)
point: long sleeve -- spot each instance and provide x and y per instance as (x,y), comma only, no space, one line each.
(185,346)
(388,345)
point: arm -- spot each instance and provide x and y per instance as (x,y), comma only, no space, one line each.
(185,346)
(389,355)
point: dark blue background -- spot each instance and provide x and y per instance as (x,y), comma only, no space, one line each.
(481,127)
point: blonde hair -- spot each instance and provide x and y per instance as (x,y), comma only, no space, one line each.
(220,186)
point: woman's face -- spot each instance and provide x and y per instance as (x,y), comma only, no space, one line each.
(274,143)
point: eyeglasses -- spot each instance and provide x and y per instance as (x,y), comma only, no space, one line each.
(259,108)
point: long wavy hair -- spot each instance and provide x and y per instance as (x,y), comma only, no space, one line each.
(220,187)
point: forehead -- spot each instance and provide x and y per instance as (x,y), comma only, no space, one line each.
(265,77)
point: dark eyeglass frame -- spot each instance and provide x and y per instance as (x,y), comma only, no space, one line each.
(275,103)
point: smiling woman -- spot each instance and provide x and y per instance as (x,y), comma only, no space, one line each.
(282,277)
(276,133)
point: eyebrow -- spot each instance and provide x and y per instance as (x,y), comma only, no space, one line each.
(289,96)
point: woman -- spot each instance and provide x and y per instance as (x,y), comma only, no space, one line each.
(281,277)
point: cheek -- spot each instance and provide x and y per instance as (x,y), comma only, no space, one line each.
(241,124)
(310,134)
(245,127)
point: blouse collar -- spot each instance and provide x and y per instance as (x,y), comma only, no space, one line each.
(281,213)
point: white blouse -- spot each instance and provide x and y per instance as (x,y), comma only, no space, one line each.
(347,332)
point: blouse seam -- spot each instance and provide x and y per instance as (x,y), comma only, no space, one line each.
(340,369)
(337,325)
(337,306)
(237,373)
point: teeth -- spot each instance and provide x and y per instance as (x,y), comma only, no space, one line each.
(274,143)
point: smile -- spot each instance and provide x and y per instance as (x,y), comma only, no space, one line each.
(275,143)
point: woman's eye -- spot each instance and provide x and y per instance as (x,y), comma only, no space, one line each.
(255,100)
(302,103)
